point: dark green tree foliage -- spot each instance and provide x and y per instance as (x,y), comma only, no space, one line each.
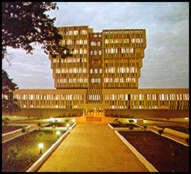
(24,23)
(9,103)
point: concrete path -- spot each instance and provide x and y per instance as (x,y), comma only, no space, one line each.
(92,148)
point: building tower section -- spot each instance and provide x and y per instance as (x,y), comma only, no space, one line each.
(72,72)
(94,93)
(123,51)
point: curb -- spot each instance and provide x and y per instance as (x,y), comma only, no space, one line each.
(166,136)
(45,156)
(17,136)
(141,158)
(110,126)
(126,129)
(12,132)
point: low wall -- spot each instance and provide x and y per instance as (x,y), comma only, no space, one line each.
(176,133)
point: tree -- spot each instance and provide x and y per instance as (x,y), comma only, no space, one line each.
(24,23)
(9,103)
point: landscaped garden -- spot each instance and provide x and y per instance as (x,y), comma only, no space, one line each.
(65,123)
(6,129)
(20,153)
(164,154)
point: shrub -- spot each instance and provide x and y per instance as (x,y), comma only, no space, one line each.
(160,131)
(24,130)
(187,140)
(131,121)
(131,127)
(39,124)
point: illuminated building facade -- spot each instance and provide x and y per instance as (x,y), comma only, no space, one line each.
(102,74)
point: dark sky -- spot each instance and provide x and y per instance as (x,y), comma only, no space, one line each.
(166,61)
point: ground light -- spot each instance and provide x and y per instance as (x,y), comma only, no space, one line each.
(40,145)
(57,133)
(135,120)
(67,125)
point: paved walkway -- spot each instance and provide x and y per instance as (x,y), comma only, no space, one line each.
(92,148)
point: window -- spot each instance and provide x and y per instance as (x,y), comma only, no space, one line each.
(93,43)
(133,40)
(84,32)
(131,50)
(69,42)
(106,41)
(75,32)
(70,32)
(85,42)
(84,70)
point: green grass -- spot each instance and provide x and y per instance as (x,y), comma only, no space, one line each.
(19,154)
(166,155)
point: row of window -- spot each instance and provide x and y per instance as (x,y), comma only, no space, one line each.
(74,32)
(121,70)
(116,50)
(97,35)
(79,51)
(121,41)
(94,97)
(73,80)
(70,60)
(162,97)
(134,107)
(49,97)
(95,52)
(94,43)
(72,42)
(95,80)
(71,70)
(123,32)
(119,80)
(95,71)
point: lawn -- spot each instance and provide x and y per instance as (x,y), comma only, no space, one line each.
(166,155)
(6,129)
(19,154)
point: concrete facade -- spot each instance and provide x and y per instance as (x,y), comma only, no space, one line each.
(101,76)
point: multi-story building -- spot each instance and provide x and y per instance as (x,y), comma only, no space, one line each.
(102,74)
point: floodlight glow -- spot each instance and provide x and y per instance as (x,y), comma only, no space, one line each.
(58,133)
(135,120)
(67,125)
(41,145)
(51,119)
(73,120)
(186,118)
